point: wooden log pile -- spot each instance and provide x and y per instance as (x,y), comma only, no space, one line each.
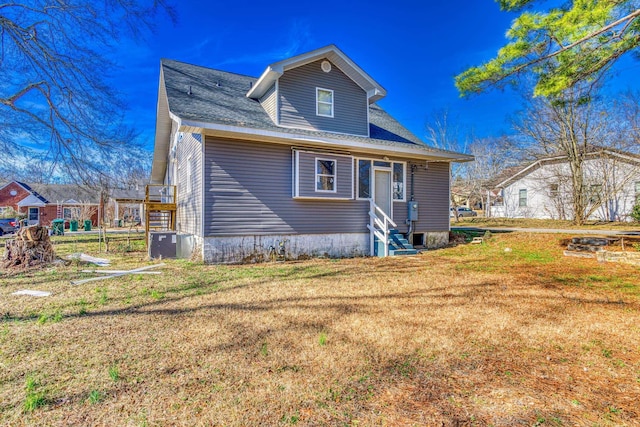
(30,248)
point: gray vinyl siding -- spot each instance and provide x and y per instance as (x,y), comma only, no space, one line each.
(297,100)
(307,173)
(189,203)
(249,192)
(431,192)
(268,102)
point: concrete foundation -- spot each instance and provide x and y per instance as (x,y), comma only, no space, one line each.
(250,249)
(436,239)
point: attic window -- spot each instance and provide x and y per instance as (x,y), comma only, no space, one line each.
(324,102)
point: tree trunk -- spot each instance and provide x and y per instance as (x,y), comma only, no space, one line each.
(578,196)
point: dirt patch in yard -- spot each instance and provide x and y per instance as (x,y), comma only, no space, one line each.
(508,332)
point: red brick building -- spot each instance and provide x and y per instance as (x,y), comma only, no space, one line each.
(40,204)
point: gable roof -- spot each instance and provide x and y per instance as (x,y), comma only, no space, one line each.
(374,90)
(34,197)
(32,200)
(43,194)
(512,174)
(200,99)
(25,187)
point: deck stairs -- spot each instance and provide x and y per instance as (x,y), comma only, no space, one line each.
(398,245)
(385,239)
(160,208)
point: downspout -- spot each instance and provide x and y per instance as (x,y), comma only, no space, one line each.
(411,199)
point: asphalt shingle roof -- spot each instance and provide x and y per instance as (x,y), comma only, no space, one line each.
(212,96)
(60,193)
(34,192)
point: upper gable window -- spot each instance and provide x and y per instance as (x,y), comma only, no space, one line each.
(324,102)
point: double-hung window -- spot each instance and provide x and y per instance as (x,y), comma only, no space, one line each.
(326,175)
(324,102)
(522,199)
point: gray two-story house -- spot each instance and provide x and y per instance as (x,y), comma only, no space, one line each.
(300,159)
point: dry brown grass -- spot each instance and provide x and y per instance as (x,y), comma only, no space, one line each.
(470,335)
(543,223)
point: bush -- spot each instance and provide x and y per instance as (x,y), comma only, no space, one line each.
(635,213)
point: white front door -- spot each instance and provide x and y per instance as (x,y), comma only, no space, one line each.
(382,190)
(34,216)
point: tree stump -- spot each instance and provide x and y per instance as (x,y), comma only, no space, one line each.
(30,248)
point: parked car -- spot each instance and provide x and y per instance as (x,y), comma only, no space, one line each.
(462,212)
(8,225)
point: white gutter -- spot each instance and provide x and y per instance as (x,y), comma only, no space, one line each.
(288,138)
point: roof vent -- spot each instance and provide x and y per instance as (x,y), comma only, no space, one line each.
(217,84)
(189,91)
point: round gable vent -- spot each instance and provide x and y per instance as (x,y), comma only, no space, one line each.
(326,66)
(13,192)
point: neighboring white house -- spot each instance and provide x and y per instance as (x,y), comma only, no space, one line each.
(543,188)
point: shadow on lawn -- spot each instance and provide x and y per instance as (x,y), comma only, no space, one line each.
(405,382)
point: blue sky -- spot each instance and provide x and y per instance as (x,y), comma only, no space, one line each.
(412,48)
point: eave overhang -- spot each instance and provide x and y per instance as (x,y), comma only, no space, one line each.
(248,134)
(31,201)
(621,156)
(163,134)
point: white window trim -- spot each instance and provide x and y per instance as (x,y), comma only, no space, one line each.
(295,169)
(356,169)
(335,174)
(526,198)
(29,213)
(318,102)
(295,174)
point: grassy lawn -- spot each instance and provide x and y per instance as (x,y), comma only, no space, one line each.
(505,333)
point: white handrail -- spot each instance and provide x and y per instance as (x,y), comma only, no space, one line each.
(384,215)
(379,227)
